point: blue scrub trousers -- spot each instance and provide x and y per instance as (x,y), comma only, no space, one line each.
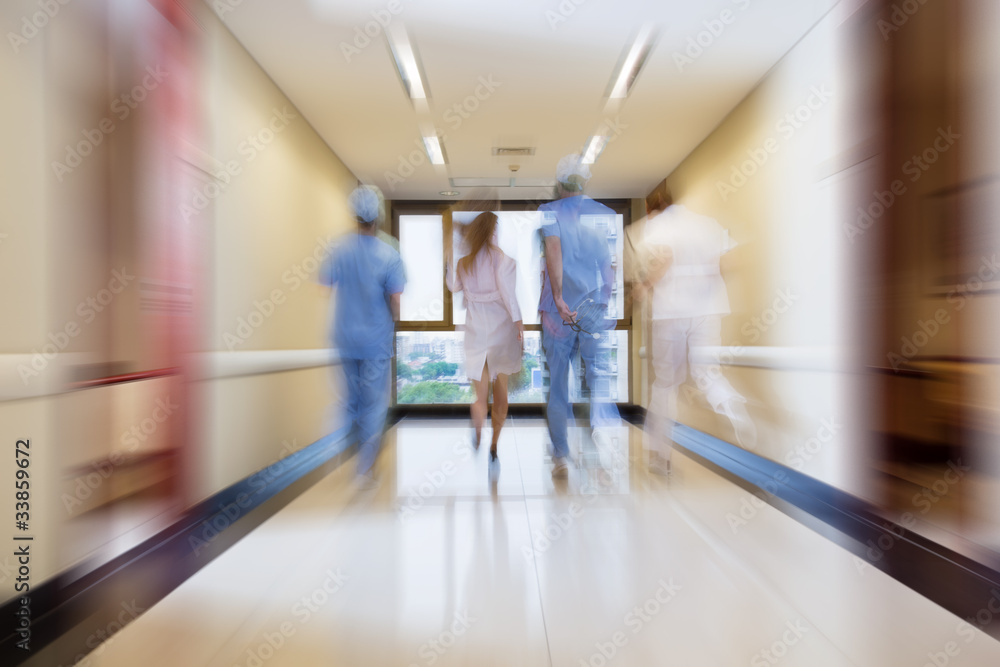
(367,406)
(560,343)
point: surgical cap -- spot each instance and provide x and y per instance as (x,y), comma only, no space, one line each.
(571,166)
(365,203)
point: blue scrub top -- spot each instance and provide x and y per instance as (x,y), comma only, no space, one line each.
(366,271)
(586,259)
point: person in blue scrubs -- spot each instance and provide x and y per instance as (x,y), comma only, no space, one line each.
(578,268)
(368,274)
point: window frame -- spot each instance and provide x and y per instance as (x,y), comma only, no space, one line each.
(622,207)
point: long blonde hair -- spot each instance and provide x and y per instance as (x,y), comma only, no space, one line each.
(478,235)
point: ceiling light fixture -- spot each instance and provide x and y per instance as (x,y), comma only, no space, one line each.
(434,151)
(405,57)
(632,63)
(595,146)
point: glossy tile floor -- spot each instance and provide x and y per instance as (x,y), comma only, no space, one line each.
(611,567)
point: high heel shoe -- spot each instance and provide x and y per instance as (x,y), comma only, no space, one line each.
(494,466)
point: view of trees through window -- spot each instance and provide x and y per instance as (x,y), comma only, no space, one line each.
(430,368)
(430,357)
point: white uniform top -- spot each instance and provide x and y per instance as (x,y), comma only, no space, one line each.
(491,311)
(693,285)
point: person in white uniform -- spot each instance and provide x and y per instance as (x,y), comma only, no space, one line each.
(680,255)
(494,330)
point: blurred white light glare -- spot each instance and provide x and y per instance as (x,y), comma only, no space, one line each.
(594,148)
(406,62)
(434,152)
(633,62)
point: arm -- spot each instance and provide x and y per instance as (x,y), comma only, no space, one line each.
(507,284)
(395,282)
(394,306)
(452,277)
(553,266)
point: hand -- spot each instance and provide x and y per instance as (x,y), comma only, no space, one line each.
(520,334)
(565,313)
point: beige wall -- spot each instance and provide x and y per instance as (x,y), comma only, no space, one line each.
(29,233)
(60,240)
(268,224)
(783,213)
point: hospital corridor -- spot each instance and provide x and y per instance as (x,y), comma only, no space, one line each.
(564,333)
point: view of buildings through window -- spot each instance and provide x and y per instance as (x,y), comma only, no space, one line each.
(430,364)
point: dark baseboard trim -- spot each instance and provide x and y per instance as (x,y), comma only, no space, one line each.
(966,587)
(74,611)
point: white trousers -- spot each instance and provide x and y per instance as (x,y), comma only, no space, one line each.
(672,342)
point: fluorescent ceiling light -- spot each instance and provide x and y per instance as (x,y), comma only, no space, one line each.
(434,152)
(594,148)
(406,63)
(632,63)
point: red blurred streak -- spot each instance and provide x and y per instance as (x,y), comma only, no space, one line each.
(125,377)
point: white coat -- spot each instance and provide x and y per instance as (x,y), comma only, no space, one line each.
(491,311)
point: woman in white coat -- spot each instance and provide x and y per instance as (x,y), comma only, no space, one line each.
(494,331)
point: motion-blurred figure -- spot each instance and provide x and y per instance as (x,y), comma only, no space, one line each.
(369,276)
(578,280)
(494,331)
(679,262)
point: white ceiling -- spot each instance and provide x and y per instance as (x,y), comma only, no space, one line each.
(552,75)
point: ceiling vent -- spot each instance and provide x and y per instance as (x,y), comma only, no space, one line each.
(511,152)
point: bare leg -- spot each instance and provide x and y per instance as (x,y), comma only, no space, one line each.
(499,408)
(479,407)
